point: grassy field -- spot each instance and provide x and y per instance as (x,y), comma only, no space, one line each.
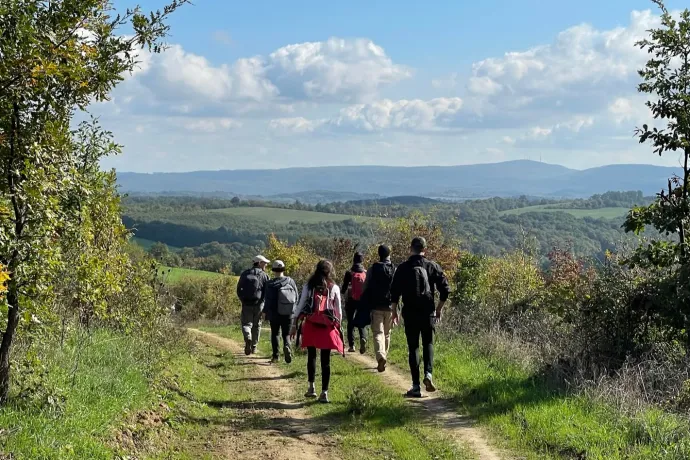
(175,274)
(89,389)
(543,422)
(285,216)
(369,419)
(606,213)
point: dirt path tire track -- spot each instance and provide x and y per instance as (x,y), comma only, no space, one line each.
(460,428)
(291,434)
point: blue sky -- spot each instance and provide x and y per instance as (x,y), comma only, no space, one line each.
(276,84)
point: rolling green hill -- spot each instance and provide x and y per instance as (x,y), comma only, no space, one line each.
(173,275)
(606,213)
(285,216)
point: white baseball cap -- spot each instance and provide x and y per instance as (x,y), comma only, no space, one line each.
(278,264)
(261,258)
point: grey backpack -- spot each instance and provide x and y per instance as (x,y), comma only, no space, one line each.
(287,298)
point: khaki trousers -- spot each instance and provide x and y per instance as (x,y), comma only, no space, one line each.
(381,323)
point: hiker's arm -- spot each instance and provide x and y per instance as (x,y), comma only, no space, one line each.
(443,287)
(337,308)
(264,286)
(346,281)
(299,306)
(396,291)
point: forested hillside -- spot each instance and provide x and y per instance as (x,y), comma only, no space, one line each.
(216,233)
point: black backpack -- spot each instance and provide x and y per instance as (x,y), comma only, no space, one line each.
(419,289)
(379,286)
(250,286)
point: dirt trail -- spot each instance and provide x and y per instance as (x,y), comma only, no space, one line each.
(458,427)
(289,434)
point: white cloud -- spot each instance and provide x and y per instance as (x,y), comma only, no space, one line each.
(580,72)
(449,82)
(336,70)
(576,124)
(539,133)
(296,125)
(407,115)
(211,125)
(508,140)
(484,86)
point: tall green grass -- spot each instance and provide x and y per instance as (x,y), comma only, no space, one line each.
(543,421)
(89,386)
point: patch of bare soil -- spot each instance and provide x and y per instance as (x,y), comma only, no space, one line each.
(288,433)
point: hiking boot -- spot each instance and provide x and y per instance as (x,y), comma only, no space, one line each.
(382,365)
(429,384)
(247,347)
(311,393)
(253,351)
(288,354)
(274,360)
(362,346)
(414,392)
(323,398)
(351,349)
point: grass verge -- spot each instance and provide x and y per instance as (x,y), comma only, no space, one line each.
(73,397)
(544,422)
(369,419)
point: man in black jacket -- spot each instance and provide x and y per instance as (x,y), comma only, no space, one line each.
(416,280)
(377,297)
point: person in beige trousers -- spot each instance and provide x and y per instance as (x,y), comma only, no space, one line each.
(377,295)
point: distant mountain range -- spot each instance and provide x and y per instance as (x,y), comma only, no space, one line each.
(342,183)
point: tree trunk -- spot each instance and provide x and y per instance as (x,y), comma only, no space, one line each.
(12,285)
(7,338)
(683,223)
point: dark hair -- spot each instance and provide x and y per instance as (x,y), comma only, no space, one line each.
(322,277)
(384,252)
(418,244)
(358,258)
(278,269)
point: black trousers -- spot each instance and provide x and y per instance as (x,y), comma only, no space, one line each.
(415,327)
(351,328)
(325,367)
(280,325)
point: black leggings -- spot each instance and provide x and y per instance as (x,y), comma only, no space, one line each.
(351,328)
(414,327)
(325,366)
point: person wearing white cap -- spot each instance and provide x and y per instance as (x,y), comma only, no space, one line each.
(281,302)
(251,290)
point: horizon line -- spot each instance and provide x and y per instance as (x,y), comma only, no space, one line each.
(391,167)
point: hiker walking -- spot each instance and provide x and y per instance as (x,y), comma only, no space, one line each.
(280,306)
(320,313)
(416,281)
(251,290)
(353,285)
(377,298)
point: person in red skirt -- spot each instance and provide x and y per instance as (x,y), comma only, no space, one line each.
(320,312)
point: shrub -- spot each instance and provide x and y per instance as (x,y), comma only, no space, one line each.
(206,298)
